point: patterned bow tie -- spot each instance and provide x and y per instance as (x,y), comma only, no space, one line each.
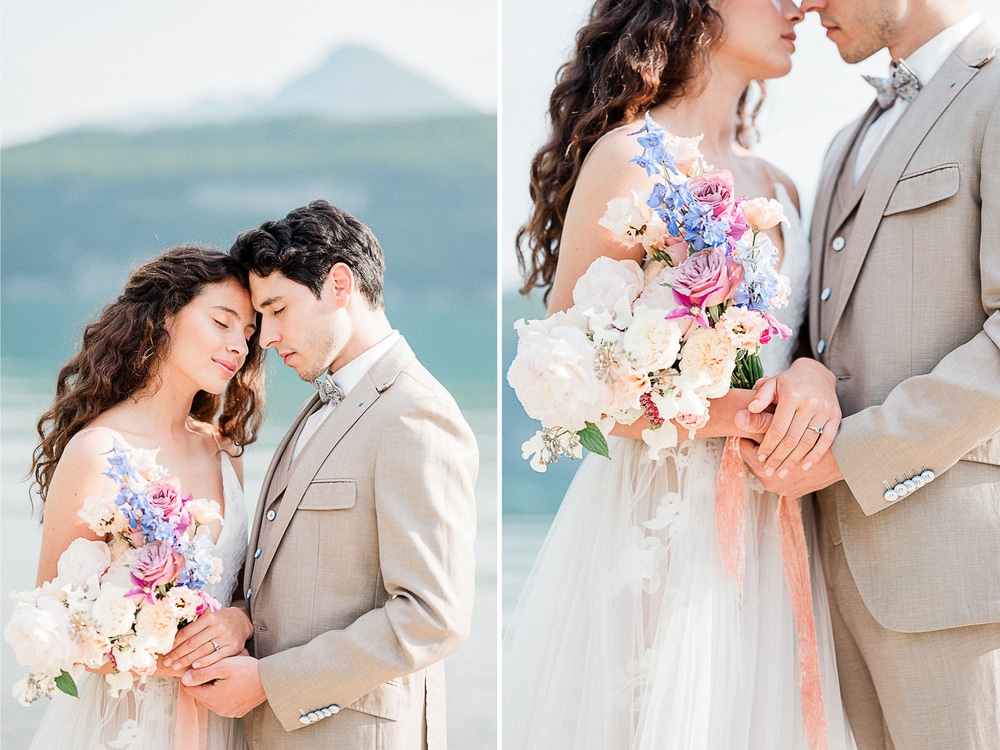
(328,392)
(903,84)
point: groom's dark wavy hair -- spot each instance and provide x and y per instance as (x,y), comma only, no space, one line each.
(630,56)
(121,351)
(307,243)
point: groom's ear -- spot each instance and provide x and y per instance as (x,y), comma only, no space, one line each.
(339,284)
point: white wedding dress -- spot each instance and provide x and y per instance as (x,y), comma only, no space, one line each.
(629,633)
(143,719)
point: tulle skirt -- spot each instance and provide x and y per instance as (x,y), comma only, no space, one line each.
(629,633)
(142,719)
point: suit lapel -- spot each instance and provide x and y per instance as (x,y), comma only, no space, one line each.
(314,454)
(897,151)
(276,473)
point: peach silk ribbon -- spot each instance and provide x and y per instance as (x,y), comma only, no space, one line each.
(730,519)
(191,726)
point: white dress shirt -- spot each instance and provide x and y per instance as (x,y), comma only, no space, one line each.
(345,379)
(924,62)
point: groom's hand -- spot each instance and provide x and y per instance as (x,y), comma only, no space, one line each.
(795,482)
(231,687)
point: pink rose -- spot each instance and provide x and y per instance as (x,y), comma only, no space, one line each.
(714,189)
(155,564)
(165,495)
(706,278)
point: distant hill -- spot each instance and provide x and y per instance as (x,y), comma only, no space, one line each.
(353,84)
(79,210)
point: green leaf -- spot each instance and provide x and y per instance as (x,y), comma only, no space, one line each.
(593,440)
(65,683)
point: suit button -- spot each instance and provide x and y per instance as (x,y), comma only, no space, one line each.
(821,346)
(838,244)
(249,593)
(271,515)
(825,295)
(257,553)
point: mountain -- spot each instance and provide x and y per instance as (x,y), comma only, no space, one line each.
(353,84)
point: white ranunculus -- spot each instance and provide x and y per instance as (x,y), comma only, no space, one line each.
(609,286)
(652,342)
(707,363)
(144,462)
(40,636)
(113,612)
(555,379)
(82,559)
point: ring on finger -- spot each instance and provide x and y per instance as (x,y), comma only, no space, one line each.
(215,645)
(819,430)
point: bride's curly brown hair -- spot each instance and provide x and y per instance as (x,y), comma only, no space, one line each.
(630,56)
(121,352)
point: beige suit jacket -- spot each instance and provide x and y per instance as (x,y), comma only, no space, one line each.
(904,301)
(360,570)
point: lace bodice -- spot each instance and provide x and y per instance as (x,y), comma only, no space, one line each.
(777,355)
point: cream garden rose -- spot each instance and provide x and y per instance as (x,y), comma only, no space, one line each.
(707,361)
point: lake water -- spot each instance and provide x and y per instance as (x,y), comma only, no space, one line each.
(471,673)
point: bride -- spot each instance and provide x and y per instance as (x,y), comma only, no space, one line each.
(152,372)
(629,633)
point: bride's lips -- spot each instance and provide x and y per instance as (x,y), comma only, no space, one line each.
(226,367)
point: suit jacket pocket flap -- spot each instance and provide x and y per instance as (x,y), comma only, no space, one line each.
(329,494)
(923,188)
(383,702)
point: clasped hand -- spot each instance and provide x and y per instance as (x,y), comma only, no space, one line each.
(799,432)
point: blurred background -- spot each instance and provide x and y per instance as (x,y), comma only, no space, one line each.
(130,127)
(802,112)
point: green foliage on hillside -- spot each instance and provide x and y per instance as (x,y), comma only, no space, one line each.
(79,210)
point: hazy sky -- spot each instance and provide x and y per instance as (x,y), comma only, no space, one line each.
(66,62)
(802,113)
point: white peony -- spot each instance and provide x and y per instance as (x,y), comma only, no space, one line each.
(83,559)
(554,376)
(113,612)
(40,635)
(707,363)
(652,342)
(609,286)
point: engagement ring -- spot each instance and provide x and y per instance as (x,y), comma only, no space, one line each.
(216,645)
(819,430)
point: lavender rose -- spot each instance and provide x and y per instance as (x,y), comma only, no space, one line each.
(165,495)
(155,564)
(706,278)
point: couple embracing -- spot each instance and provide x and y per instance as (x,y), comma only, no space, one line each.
(358,579)
(886,420)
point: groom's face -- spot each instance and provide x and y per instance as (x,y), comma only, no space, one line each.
(859,28)
(307,333)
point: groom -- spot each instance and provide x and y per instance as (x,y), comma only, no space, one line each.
(359,576)
(904,305)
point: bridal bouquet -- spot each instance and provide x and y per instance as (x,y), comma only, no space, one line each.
(120,601)
(662,338)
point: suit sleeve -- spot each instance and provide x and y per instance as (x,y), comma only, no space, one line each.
(935,420)
(425,474)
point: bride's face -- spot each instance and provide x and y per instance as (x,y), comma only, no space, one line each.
(758,38)
(208,337)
